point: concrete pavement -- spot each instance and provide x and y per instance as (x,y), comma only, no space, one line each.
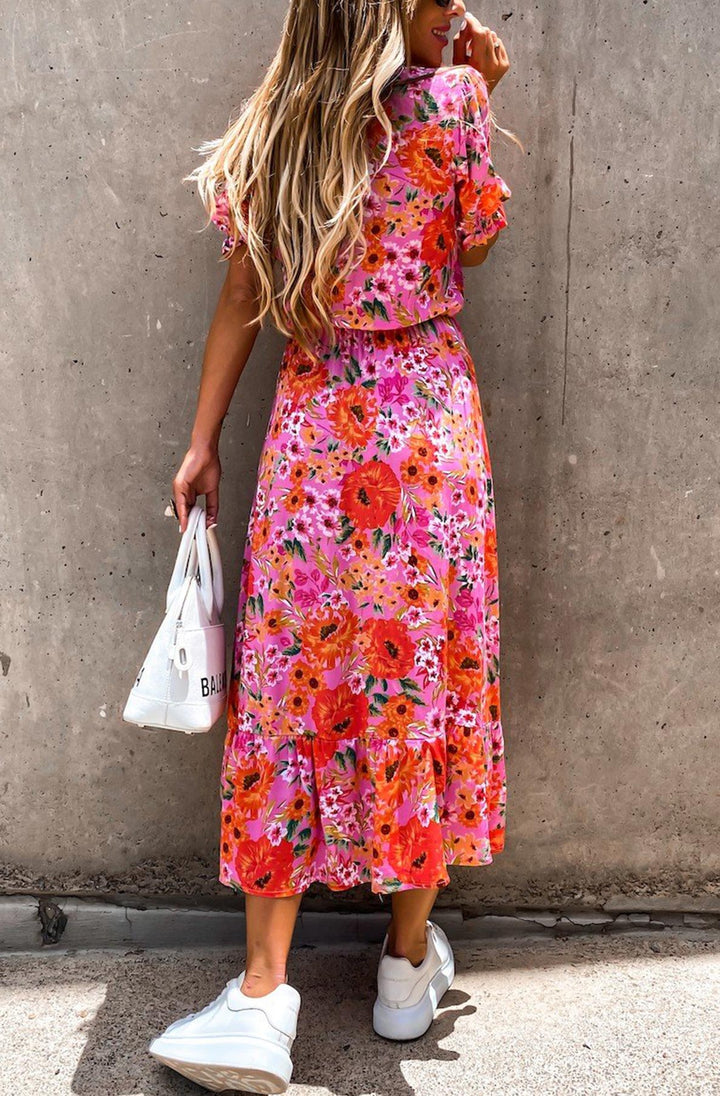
(624,1015)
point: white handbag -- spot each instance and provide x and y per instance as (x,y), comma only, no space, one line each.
(182,684)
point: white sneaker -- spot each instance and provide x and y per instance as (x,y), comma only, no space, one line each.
(407,995)
(235,1042)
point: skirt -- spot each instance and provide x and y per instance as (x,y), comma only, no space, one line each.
(364,742)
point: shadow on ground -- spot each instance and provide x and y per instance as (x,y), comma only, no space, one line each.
(636,1014)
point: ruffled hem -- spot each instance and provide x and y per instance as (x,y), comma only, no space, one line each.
(393,813)
(489,228)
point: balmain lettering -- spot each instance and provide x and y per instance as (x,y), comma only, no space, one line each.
(214,684)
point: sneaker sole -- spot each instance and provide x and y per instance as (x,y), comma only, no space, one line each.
(249,1065)
(414,1020)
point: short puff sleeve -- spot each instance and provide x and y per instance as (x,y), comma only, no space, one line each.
(480,192)
(223,219)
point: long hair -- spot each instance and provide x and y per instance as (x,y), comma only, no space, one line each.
(294,166)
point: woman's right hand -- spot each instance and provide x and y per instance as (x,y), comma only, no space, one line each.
(199,474)
(477,45)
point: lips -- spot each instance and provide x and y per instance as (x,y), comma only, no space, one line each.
(440,33)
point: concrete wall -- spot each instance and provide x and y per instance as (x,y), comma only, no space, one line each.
(594,331)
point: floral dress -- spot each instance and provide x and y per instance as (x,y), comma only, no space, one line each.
(364,741)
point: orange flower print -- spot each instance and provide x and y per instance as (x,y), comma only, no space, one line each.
(398,713)
(370,494)
(465,663)
(300,375)
(262,863)
(340,713)
(390,649)
(422,450)
(492,196)
(353,413)
(375,255)
(328,634)
(438,239)
(364,738)
(425,155)
(411,848)
(295,499)
(252,779)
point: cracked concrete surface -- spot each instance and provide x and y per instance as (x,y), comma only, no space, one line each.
(585,1016)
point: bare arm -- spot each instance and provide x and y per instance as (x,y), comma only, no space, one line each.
(227,349)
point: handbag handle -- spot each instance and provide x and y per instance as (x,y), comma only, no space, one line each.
(186,560)
(198,551)
(216,563)
(208,573)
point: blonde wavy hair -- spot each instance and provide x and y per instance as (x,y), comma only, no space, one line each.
(297,151)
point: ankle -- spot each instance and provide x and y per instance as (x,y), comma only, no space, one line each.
(259,983)
(403,946)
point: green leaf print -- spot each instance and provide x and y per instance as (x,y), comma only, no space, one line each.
(381,538)
(339,759)
(255,605)
(348,529)
(305,834)
(295,649)
(423,390)
(352,370)
(295,548)
(430,101)
(408,685)
(345,758)
(375,308)
(292,826)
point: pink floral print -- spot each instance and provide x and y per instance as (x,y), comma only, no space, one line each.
(364,740)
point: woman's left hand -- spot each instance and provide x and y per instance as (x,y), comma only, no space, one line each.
(479,46)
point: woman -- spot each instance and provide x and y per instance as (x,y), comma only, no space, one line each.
(364,740)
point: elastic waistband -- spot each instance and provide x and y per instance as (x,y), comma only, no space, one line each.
(366,337)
